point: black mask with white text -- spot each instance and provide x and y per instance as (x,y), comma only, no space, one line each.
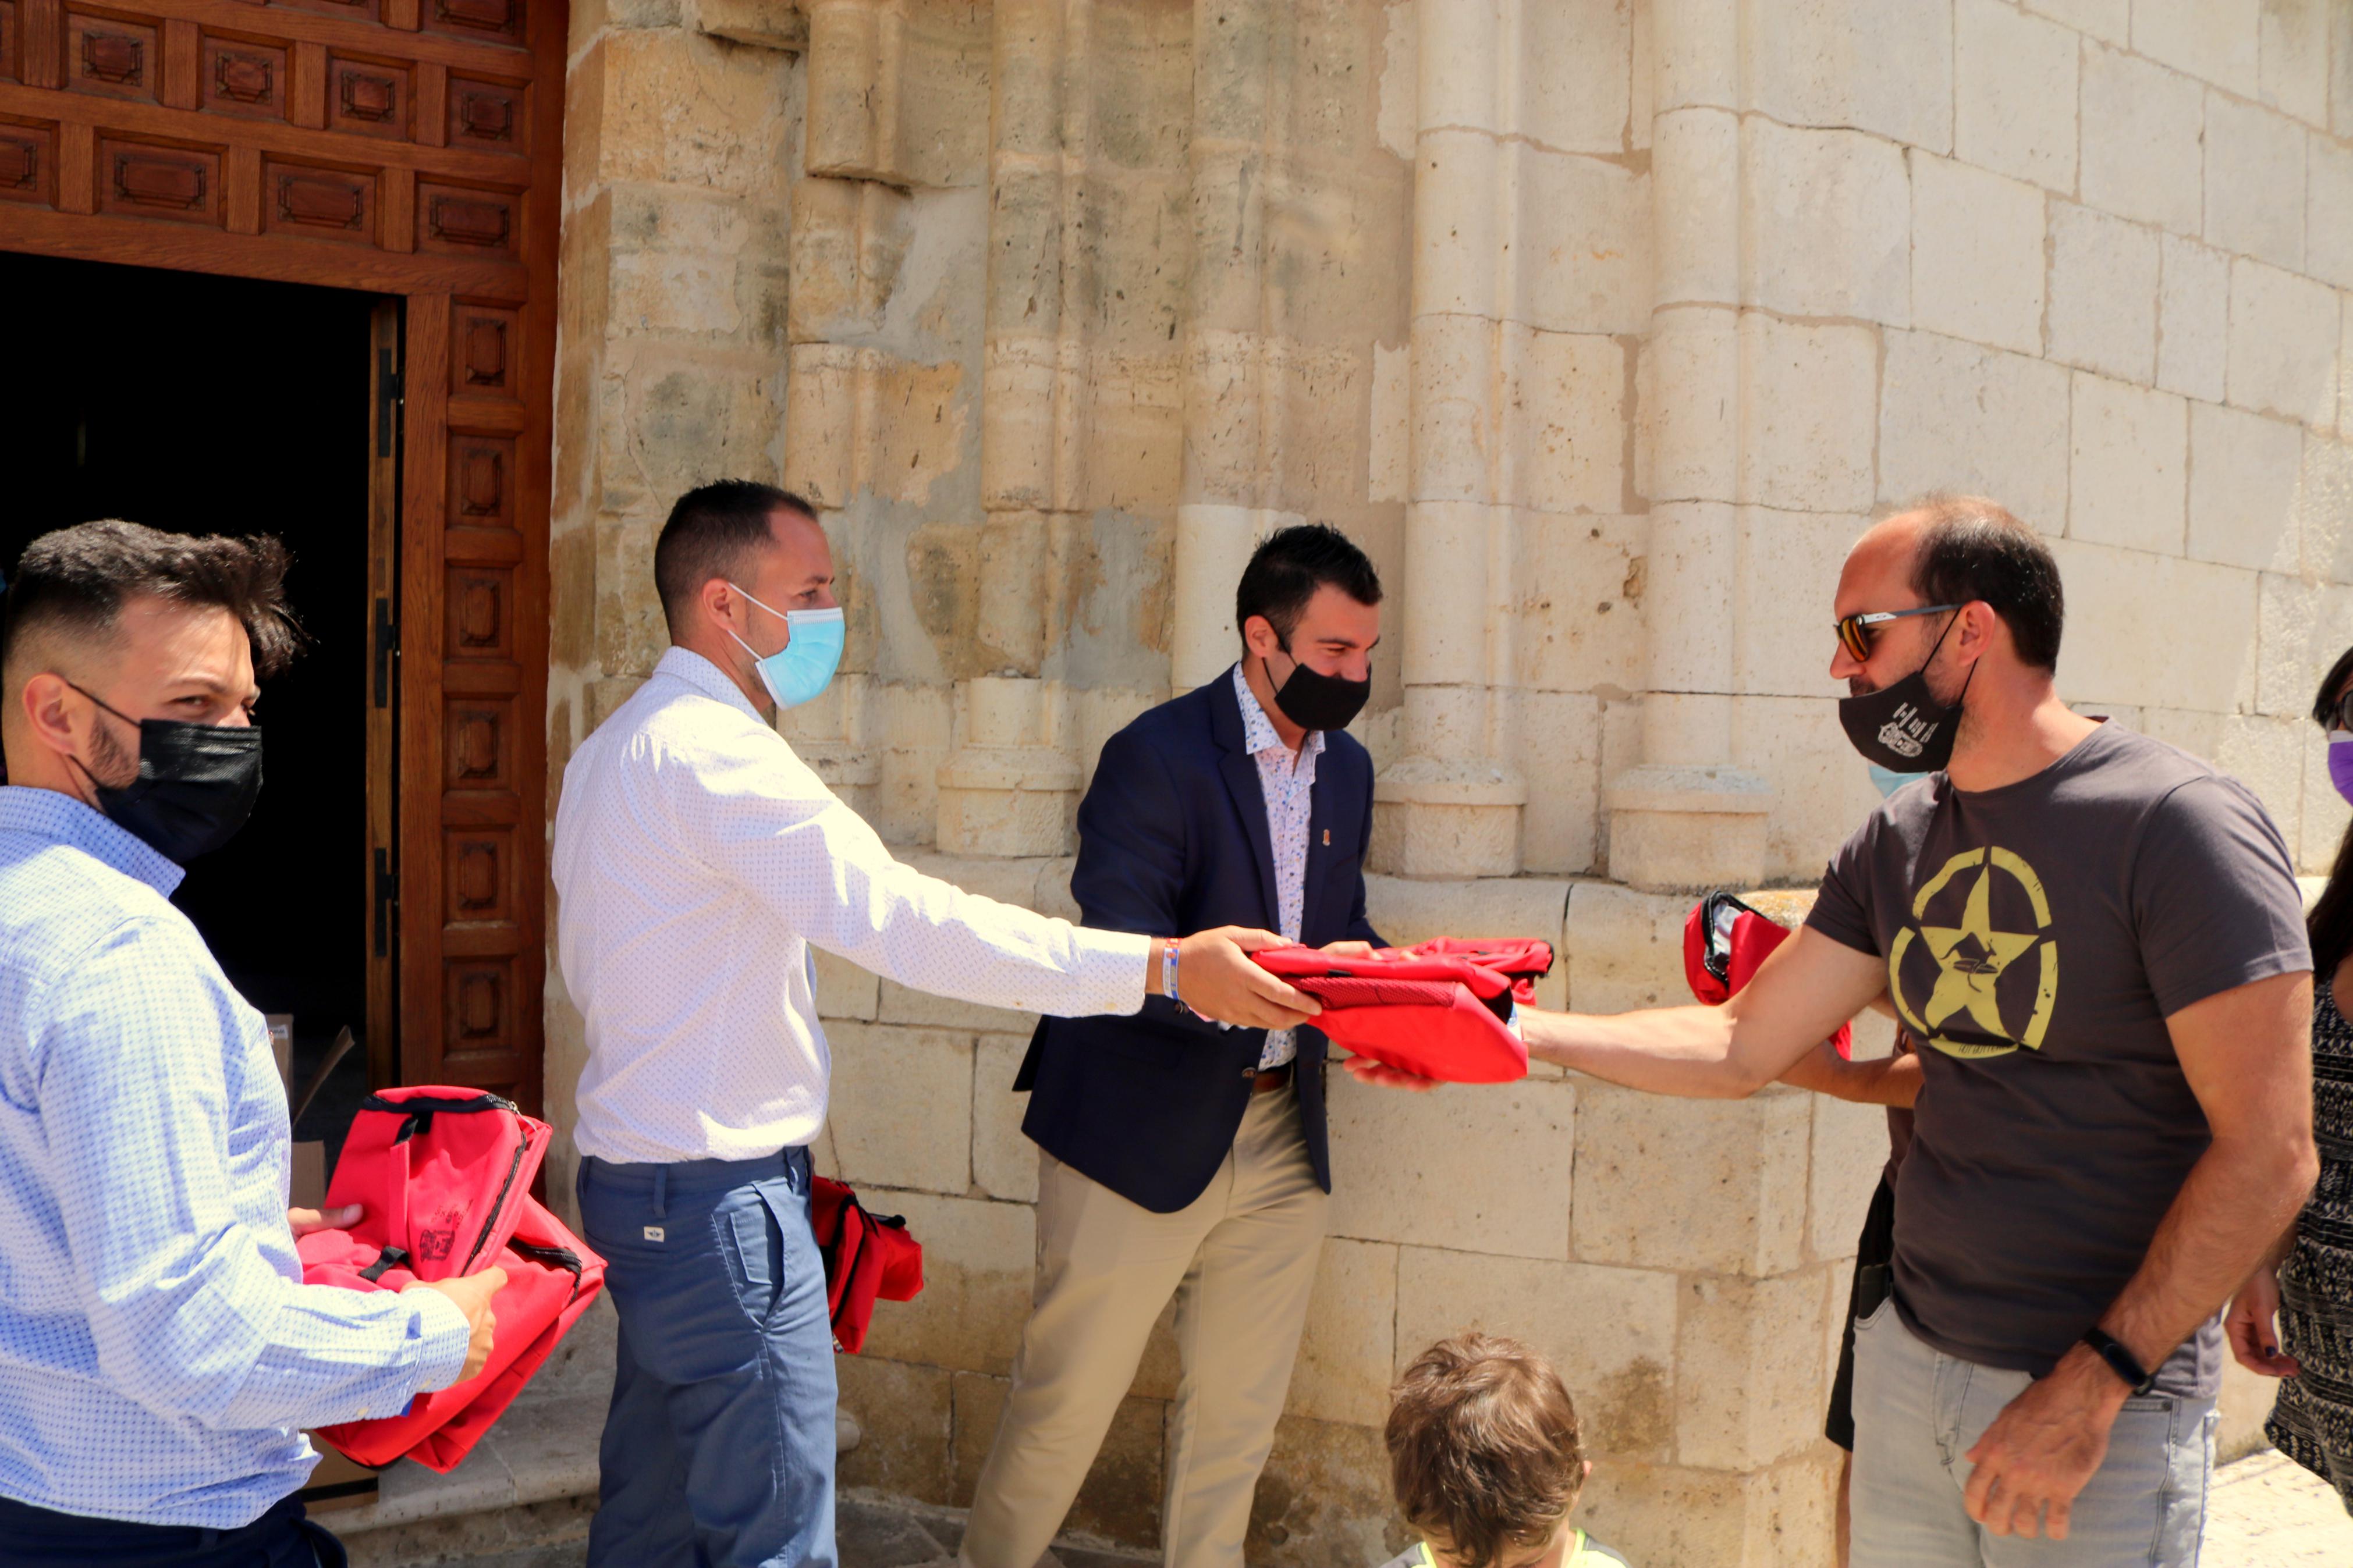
(1901,727)
(196,785)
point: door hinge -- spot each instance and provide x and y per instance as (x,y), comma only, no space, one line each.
(387,650)
(387,902)
(388,401)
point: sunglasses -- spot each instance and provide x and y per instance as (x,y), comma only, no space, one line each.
(1855,632)
(2343,712)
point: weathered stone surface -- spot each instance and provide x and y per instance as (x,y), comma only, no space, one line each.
(2014,93)
(1511,1180)
(1977,267)
(1886,68)
(903,1425)
(2206,661)
(2143,157)
(1827,220)
(2128,455)
(1955,416)
(1811,391)
(2104,293)
(2254,182)
(902,1106)
(2328,212)
(2193,318)
(1344,1368)
(1323,1499)
(1731,1173)
(1609,1332)
(2243,483)
(2282,343)
(1749,1370)
(2215,39)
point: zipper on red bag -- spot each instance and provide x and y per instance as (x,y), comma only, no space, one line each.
(498,1208)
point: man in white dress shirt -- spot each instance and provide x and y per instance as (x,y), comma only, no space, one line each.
(696,859)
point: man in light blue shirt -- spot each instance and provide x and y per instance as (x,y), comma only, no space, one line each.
(159,1354)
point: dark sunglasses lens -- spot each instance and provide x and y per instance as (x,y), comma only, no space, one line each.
(1855,636)
(2345,711)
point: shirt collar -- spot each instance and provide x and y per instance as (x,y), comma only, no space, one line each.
(62,819)
(1257,729)
(706,678)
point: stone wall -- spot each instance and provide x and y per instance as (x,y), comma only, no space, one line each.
(1605,325)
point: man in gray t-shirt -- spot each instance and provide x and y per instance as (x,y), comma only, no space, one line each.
(2055,1124)
(2096,941)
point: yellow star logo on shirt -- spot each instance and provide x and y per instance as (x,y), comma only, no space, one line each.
(1973,957)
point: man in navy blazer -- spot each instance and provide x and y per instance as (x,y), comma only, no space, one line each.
(1179,1158)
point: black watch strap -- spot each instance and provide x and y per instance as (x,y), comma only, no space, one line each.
(2121,1361)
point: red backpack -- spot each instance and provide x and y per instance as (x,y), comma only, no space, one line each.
(443,1176)
(866,1255)
(1724,940)
(1441,1008)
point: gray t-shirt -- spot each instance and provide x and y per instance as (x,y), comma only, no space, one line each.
(2055,1127)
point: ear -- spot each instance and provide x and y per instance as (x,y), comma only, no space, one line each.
(1979,628)
(1258,636)
(718,602)
(47,714)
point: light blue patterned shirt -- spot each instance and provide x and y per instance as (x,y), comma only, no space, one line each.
(1288,782)
(158,1350)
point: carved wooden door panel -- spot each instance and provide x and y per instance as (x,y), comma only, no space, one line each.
(410,148)
(473,685)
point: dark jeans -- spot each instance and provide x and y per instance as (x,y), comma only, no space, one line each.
(719,1447)
(282,1538)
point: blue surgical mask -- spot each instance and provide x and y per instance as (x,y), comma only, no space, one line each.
(1889,781)
(804,667)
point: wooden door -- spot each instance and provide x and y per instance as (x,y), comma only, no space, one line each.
(408,148)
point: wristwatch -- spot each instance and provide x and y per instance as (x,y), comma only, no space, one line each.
(2121,1361)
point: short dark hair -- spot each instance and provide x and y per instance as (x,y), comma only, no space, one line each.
(710,529)
(1485,1450)
(76,580)
(1973,549)
(1287,568)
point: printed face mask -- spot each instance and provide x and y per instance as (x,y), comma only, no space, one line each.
(1901,727)
(2340,762)
(804,667)
(1315,700)
(195,787)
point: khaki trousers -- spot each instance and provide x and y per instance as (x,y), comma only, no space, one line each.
(1240,1260)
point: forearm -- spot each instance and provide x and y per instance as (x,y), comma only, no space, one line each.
(2237,1208)
(1887,1081)
(1685,1051)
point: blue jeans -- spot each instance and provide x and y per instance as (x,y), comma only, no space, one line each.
(719,1447)
(1917,1413)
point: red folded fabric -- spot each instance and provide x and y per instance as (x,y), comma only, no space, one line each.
(1724,941)
(1439,1009)
(443,1176)
(867,1257)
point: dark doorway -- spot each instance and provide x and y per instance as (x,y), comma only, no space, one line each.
(204,404)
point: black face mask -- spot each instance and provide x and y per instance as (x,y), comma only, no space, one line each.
(196,785)
(1901,727)
(1315,700)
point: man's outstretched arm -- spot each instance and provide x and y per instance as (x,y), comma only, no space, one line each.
(1796,999)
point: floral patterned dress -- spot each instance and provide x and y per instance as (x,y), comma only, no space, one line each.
(2313,1423)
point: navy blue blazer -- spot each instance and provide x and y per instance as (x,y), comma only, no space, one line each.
(1173,839)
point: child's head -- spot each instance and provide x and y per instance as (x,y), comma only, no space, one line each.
(1484,1452)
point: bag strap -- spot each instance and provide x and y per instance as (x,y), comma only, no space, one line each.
(390,1258)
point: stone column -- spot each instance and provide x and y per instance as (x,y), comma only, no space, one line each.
(1009,786)
(1450,804)
(1685,817)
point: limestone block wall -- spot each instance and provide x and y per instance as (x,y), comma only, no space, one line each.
(1604,325)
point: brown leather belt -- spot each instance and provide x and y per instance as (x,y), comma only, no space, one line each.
(1270,1081)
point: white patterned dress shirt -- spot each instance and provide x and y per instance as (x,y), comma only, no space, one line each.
(159,1352)
(696,858)
(1288,782)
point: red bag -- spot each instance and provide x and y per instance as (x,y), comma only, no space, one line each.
(1441,1009)
(443,1176)
(1724,940)
(866,1256)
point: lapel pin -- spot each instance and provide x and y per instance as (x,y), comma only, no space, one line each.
(1328,839)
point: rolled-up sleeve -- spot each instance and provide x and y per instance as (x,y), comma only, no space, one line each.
(189,1314)
(760,817)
